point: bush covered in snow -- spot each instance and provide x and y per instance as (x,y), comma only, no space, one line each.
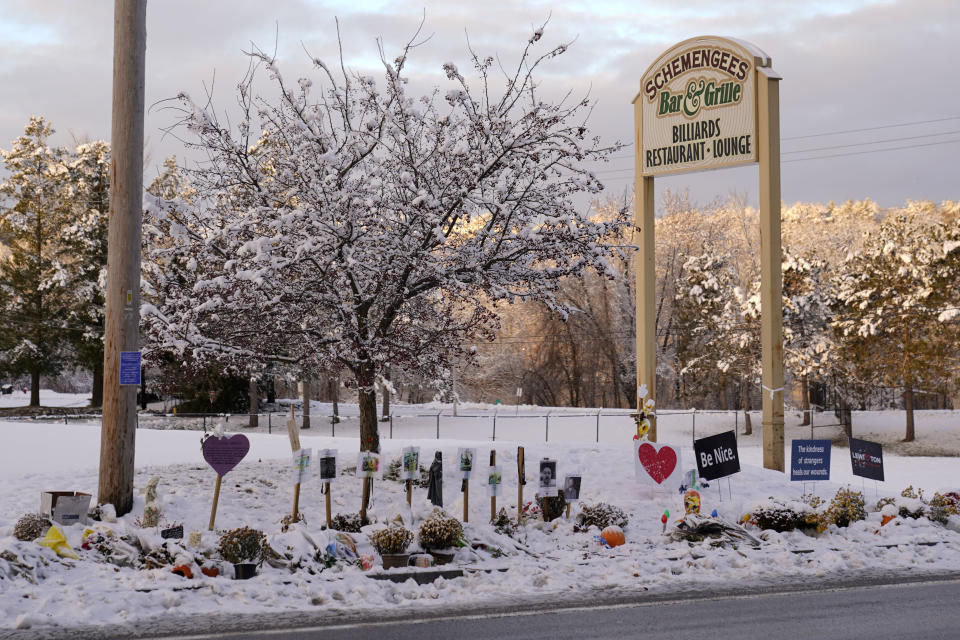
(243,545)
(30,527)
(783,515)
(349,523)
(846,507)
(440,531)
(600,515)
(392,540)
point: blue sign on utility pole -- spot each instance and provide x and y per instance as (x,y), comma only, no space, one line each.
(130,368)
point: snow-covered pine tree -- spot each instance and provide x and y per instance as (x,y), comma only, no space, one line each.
(351,225)
(897,322)
(85,237)
(35,300)
(807,312)
(701,296)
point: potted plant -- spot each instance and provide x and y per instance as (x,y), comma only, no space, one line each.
(391,543)
(439,534)
(245,548)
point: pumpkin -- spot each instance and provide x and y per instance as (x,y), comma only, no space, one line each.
(613,535)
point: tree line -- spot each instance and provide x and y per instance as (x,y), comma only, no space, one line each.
(871,303)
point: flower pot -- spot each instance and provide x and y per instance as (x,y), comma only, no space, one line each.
(394,560)
(244,570)
(441,557)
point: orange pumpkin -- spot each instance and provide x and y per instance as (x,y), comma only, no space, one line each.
(613,535)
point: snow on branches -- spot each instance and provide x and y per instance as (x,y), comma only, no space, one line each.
(346,223)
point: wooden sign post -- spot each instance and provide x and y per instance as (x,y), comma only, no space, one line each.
(521,480)
(328,472)
(409,492)
(466,499)
(216,500)
(493,498)
(294,434)
(329,518)
(708,103)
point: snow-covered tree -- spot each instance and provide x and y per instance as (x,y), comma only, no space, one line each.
(700,300)
(351,225)
(898,321)
(807,311)
(85,237)
(35,297)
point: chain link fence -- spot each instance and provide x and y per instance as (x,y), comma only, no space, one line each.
(555,425)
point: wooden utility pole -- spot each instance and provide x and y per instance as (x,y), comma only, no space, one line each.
(118,432)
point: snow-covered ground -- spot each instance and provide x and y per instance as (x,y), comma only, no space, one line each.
(48,398)
(544,559)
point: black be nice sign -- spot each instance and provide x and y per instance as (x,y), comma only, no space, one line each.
(717,455)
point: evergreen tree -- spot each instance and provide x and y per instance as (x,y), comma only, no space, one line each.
(35,300)
(86,238)
(897,320)
(807,312)
(698,315)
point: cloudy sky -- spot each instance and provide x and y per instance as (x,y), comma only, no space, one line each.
(880,77)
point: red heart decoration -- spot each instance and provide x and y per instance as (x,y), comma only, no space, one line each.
(658,464)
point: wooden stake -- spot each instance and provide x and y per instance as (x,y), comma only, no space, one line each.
(568,511)
(216,499)
(466,499)
(294,434)
(409,493)
(493,498)
(521,480)
(329,519)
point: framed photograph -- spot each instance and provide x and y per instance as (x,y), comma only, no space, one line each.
(328,464)
(302,465)
(571,488)
(466,458)
(410,463)
(548,478)
(368,464)
(494,480)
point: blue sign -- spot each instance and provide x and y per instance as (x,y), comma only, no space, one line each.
(130,368)
(866,458)
(810,460)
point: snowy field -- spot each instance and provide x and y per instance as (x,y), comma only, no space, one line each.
(544,560)
(48,398)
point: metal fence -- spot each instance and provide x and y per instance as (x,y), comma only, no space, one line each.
(576,425)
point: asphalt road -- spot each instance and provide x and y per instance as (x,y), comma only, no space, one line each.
(928,610)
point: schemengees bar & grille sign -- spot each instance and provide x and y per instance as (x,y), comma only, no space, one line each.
(699,107)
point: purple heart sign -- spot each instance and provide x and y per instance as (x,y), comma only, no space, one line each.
(223,454)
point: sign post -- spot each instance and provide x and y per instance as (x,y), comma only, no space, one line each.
(709,103)
(521,480)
